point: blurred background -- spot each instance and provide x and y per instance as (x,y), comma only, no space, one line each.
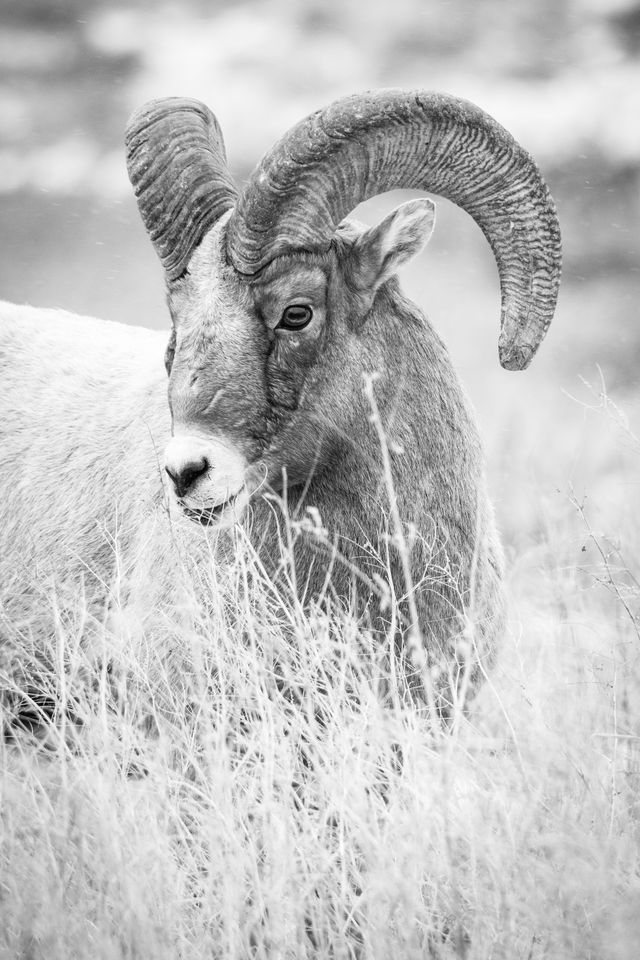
(562,75)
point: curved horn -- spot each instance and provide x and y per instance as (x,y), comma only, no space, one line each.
(177,165)
(366,144)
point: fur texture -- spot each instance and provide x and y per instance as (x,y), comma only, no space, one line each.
(83,424)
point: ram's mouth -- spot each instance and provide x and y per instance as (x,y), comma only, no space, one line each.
(208,516)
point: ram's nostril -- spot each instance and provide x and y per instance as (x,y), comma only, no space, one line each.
(184,476)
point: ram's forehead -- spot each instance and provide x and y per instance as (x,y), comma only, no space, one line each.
(212,293)
(292,267)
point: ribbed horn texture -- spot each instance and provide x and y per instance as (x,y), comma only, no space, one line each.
(178,168)
(369,143)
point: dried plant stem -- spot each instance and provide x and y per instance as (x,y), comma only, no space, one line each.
(414,633)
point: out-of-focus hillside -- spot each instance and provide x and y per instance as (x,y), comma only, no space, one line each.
(562,75)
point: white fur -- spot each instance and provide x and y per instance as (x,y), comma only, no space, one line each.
(83,428)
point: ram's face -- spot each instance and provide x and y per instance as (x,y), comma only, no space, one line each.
(266,374)
(243,360)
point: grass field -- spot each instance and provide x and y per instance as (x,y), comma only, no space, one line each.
(200,811)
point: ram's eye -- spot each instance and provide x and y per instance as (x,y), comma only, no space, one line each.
(295,317)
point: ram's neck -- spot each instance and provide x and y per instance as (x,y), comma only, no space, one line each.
(416,453)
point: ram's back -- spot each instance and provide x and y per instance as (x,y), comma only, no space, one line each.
(83,414)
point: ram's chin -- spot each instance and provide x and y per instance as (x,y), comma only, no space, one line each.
(224,514)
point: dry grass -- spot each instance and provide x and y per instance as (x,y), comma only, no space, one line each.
(249,796)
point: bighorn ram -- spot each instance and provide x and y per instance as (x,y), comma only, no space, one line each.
(295,364)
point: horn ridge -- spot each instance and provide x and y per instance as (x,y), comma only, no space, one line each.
(176,162)
(373,142)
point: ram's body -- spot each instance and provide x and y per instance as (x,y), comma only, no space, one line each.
(87,423)
(84,420)
(296,368)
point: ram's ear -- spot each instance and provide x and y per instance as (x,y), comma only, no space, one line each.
(380,251)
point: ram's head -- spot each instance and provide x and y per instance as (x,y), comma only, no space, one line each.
(272,293)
